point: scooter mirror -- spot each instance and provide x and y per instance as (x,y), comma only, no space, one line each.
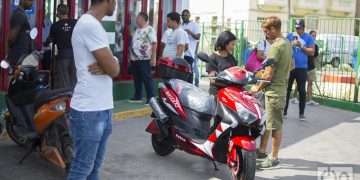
(203,57)
(33,33)
(4,64)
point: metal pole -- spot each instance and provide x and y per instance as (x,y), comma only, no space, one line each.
(241,42)
(289,9)
(223,16)
(202,46)
(357,73)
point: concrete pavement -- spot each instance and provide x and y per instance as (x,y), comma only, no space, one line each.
(329,139)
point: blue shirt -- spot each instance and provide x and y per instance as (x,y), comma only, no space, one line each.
(300,57)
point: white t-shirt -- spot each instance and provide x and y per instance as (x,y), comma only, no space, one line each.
(166,35)
(264,47)
(92,92)
(193,27)
(141,43)
(176,37)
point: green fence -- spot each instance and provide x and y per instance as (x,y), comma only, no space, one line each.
(337,70)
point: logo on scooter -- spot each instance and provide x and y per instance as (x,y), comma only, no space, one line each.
(181,138)
(172,99)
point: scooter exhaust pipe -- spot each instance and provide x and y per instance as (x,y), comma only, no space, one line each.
(157,109)
(160,115)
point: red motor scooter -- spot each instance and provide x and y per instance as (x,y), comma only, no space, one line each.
(183,112)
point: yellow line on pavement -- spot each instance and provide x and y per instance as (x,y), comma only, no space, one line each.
(130,114)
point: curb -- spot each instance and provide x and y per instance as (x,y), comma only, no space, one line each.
(119,116)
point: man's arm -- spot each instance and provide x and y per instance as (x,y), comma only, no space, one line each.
(180,50)
(308,50)
(153,53)
(12,36)
(106,61)
(193,35)
(268,75)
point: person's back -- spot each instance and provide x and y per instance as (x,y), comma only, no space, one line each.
(23,43)
(92,93)
(62,33)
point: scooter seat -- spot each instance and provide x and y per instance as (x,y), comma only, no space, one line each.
(193,97)
(45,96)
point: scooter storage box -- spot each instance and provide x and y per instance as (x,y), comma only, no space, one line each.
(169,68)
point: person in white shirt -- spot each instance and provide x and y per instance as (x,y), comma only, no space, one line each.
(142,55)
(193,31)
(263,48)
(92,101)
(176,41)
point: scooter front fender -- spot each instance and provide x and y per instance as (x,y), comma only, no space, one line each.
(244,142)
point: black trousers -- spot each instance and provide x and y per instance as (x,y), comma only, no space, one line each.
(190,60)
(300,75)
(141,70)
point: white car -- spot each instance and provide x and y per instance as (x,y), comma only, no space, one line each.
(336,49)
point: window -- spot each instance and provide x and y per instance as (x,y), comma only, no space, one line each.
(119,31)
(153,12)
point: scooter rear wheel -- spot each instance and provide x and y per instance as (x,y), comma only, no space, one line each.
(246,166)
(162,146)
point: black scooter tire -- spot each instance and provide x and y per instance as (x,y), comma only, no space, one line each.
(14,136)
(247,168)
(163,147)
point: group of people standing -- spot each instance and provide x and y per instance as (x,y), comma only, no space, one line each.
(179,40)
(295,57)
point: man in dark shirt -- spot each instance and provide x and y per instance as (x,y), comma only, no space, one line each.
(19,41)
(312,72)
(60,34)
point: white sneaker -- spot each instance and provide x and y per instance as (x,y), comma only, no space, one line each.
(313,103)
(294,100)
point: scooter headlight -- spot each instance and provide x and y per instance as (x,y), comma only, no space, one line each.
(59,107)
(246,116)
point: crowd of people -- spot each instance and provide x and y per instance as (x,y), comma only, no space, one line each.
(85,63)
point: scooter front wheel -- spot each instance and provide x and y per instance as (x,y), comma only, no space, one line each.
(20,140)
(162,146)
(246,165)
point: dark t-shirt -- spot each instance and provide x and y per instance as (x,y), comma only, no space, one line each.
(311,60)
(61,33)
(22,46)
(218,63)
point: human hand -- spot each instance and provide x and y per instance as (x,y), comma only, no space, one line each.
(254,89)
(188,31)
(96,69)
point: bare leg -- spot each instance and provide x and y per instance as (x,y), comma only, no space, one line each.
(276,141)
(264,141)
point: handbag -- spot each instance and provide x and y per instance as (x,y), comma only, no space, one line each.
(253,63)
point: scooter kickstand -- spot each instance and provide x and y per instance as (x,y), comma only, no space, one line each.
(215,166)
(28,153)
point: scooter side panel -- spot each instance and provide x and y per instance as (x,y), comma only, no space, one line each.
(45,116)
(171,100)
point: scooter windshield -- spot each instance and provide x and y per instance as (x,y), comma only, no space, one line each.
(30,60)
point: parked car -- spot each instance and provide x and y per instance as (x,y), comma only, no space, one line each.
(336,49)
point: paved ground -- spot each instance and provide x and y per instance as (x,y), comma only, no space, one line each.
(329,138)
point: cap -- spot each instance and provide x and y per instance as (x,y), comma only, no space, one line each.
(299,23)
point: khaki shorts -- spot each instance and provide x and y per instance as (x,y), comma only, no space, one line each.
(311,75)
(274,107)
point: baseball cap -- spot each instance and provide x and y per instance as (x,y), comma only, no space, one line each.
(299,23)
